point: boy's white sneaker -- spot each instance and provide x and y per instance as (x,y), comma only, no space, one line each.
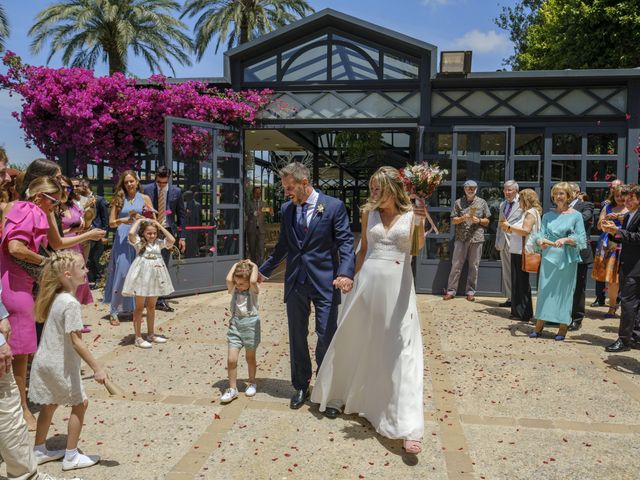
(157,339)
(80,461)
(229,394)
(251,390)
(48,455)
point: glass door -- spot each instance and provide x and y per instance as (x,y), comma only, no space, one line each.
(485,155)
(206,162)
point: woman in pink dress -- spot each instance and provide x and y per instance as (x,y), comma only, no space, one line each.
(72,217)
(29,227)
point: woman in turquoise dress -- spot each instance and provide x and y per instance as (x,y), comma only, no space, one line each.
(560,239)
(128,203)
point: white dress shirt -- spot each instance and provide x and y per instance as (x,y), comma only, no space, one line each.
(311,206)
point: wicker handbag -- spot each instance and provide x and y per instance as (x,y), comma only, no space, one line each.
(530,261)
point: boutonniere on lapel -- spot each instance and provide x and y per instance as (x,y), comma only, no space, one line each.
(320,209)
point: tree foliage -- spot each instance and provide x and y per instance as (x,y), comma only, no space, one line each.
(576,34)
(517,20)
(235,22)
(110,119)
(86,31)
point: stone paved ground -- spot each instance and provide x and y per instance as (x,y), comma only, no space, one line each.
(497,404)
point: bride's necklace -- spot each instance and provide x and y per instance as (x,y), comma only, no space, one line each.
(131,200)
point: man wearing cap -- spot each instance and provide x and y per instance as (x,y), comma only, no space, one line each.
(470,215)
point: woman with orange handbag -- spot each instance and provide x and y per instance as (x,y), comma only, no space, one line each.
(521,303)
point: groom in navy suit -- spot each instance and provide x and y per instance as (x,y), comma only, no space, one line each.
(316,240)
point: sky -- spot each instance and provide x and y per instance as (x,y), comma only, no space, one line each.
(448,24)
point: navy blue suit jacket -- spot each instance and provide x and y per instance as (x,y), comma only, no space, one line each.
(326,251)
(178,216)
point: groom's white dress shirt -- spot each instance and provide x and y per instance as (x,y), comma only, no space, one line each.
(311,206)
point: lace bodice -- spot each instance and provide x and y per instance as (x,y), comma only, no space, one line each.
(394,244)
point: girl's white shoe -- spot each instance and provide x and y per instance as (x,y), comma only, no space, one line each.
(142,343)
(80,461)
(228,395)
(251,390)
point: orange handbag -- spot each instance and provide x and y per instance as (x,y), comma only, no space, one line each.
(530,261)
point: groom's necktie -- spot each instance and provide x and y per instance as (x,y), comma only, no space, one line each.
(301,222)
(301,228)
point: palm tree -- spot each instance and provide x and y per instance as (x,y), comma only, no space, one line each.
(250,19)
(90,30)
(4,27)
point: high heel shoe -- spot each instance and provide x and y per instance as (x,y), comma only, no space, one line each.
(612,312)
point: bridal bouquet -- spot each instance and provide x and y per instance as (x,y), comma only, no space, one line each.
(420,181)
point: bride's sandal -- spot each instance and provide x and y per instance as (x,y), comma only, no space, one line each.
(412,446)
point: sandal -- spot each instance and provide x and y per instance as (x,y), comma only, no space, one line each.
(113,320)
(412,446)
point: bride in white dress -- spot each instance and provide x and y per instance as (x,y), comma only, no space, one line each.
(374,365)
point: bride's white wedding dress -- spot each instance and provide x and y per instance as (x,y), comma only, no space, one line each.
(374,365)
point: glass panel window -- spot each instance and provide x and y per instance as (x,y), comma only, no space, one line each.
(442,221)
(309,66)
(567,144)
(602,144)
(228,219)
(438,143)
(565,171)
(287,54)
(372,52)
(399,68)
(601,170)
(228,167)
(348,64)
(228,245)
(228,141)
(264,71)
(528,170)
(441,197)
(492,170)
(228,193)
(193,164)
(438,249)
(493,144)
(529,144)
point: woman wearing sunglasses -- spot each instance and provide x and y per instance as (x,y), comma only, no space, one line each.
(72,221)
(29,227)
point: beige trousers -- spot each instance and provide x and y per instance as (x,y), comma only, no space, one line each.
(464,252)
(16,447)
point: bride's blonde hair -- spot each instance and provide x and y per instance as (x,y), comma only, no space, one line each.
(388,178)
(50,284)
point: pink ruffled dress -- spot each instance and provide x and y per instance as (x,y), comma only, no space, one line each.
(27,223)
(72,217)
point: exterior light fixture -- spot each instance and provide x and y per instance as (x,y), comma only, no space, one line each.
(455,63)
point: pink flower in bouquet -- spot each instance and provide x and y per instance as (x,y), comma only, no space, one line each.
(168,212)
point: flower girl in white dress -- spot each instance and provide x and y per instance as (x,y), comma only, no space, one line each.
(148,277)
(374,365)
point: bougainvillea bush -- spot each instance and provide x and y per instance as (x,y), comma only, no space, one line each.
(109,119)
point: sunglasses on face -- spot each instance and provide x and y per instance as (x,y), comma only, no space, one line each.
(54,201)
